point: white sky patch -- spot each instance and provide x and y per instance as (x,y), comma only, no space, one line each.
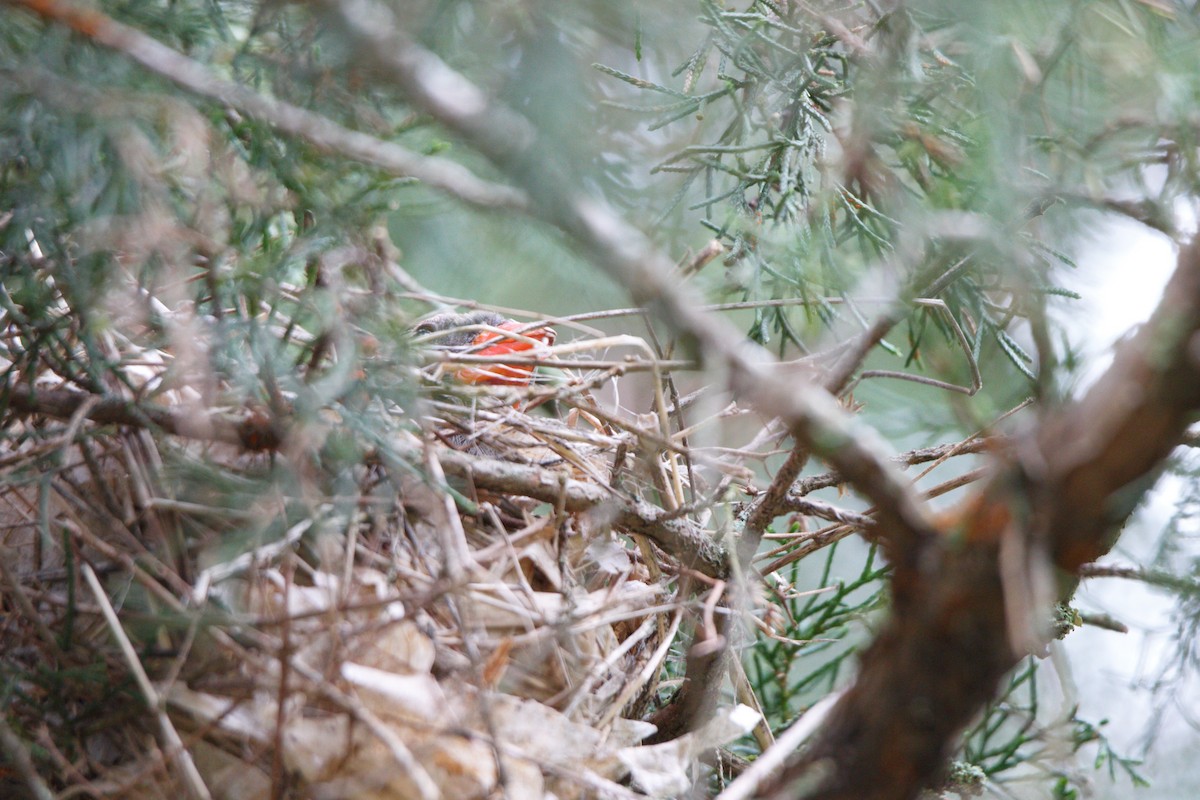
(1121,276)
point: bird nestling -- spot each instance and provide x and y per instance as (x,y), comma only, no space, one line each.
(491,431)
(482,333)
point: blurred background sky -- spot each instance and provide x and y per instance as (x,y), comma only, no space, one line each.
(1121,275)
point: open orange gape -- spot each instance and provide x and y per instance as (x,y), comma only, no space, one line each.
(461,333)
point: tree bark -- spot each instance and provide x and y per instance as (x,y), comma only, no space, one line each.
(965,605)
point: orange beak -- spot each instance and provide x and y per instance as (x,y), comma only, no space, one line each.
(500,345)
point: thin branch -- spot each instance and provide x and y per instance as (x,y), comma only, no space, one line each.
(1149,213)
(1153,577)
(1063,492)
(175,747)
(623,251)
(320,132)
(766,766)
(837,380)
(817,540)
(1105,621)
(680,538)
(922,455)
(827,511)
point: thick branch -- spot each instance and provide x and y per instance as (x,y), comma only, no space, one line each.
(1064,492)
(1103,454)
(810,413)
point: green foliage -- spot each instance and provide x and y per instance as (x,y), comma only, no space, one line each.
(1175,568)
(822,630)
(118,190)
(943,151)
(959,155)
(967,128)
(1012,737)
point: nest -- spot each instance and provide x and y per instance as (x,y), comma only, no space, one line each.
(221,596)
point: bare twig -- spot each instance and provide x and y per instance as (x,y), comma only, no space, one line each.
(678,537)
(827,511)
(1150,576)
(16,753)
(692,546)
(175,747)
(766,766)
(848,523)
(923,455)
(1105,621)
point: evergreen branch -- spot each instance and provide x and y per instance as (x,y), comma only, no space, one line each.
(639,83)
(967,619)
(621,250)
(318,131)
(811,415)
(776,499)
